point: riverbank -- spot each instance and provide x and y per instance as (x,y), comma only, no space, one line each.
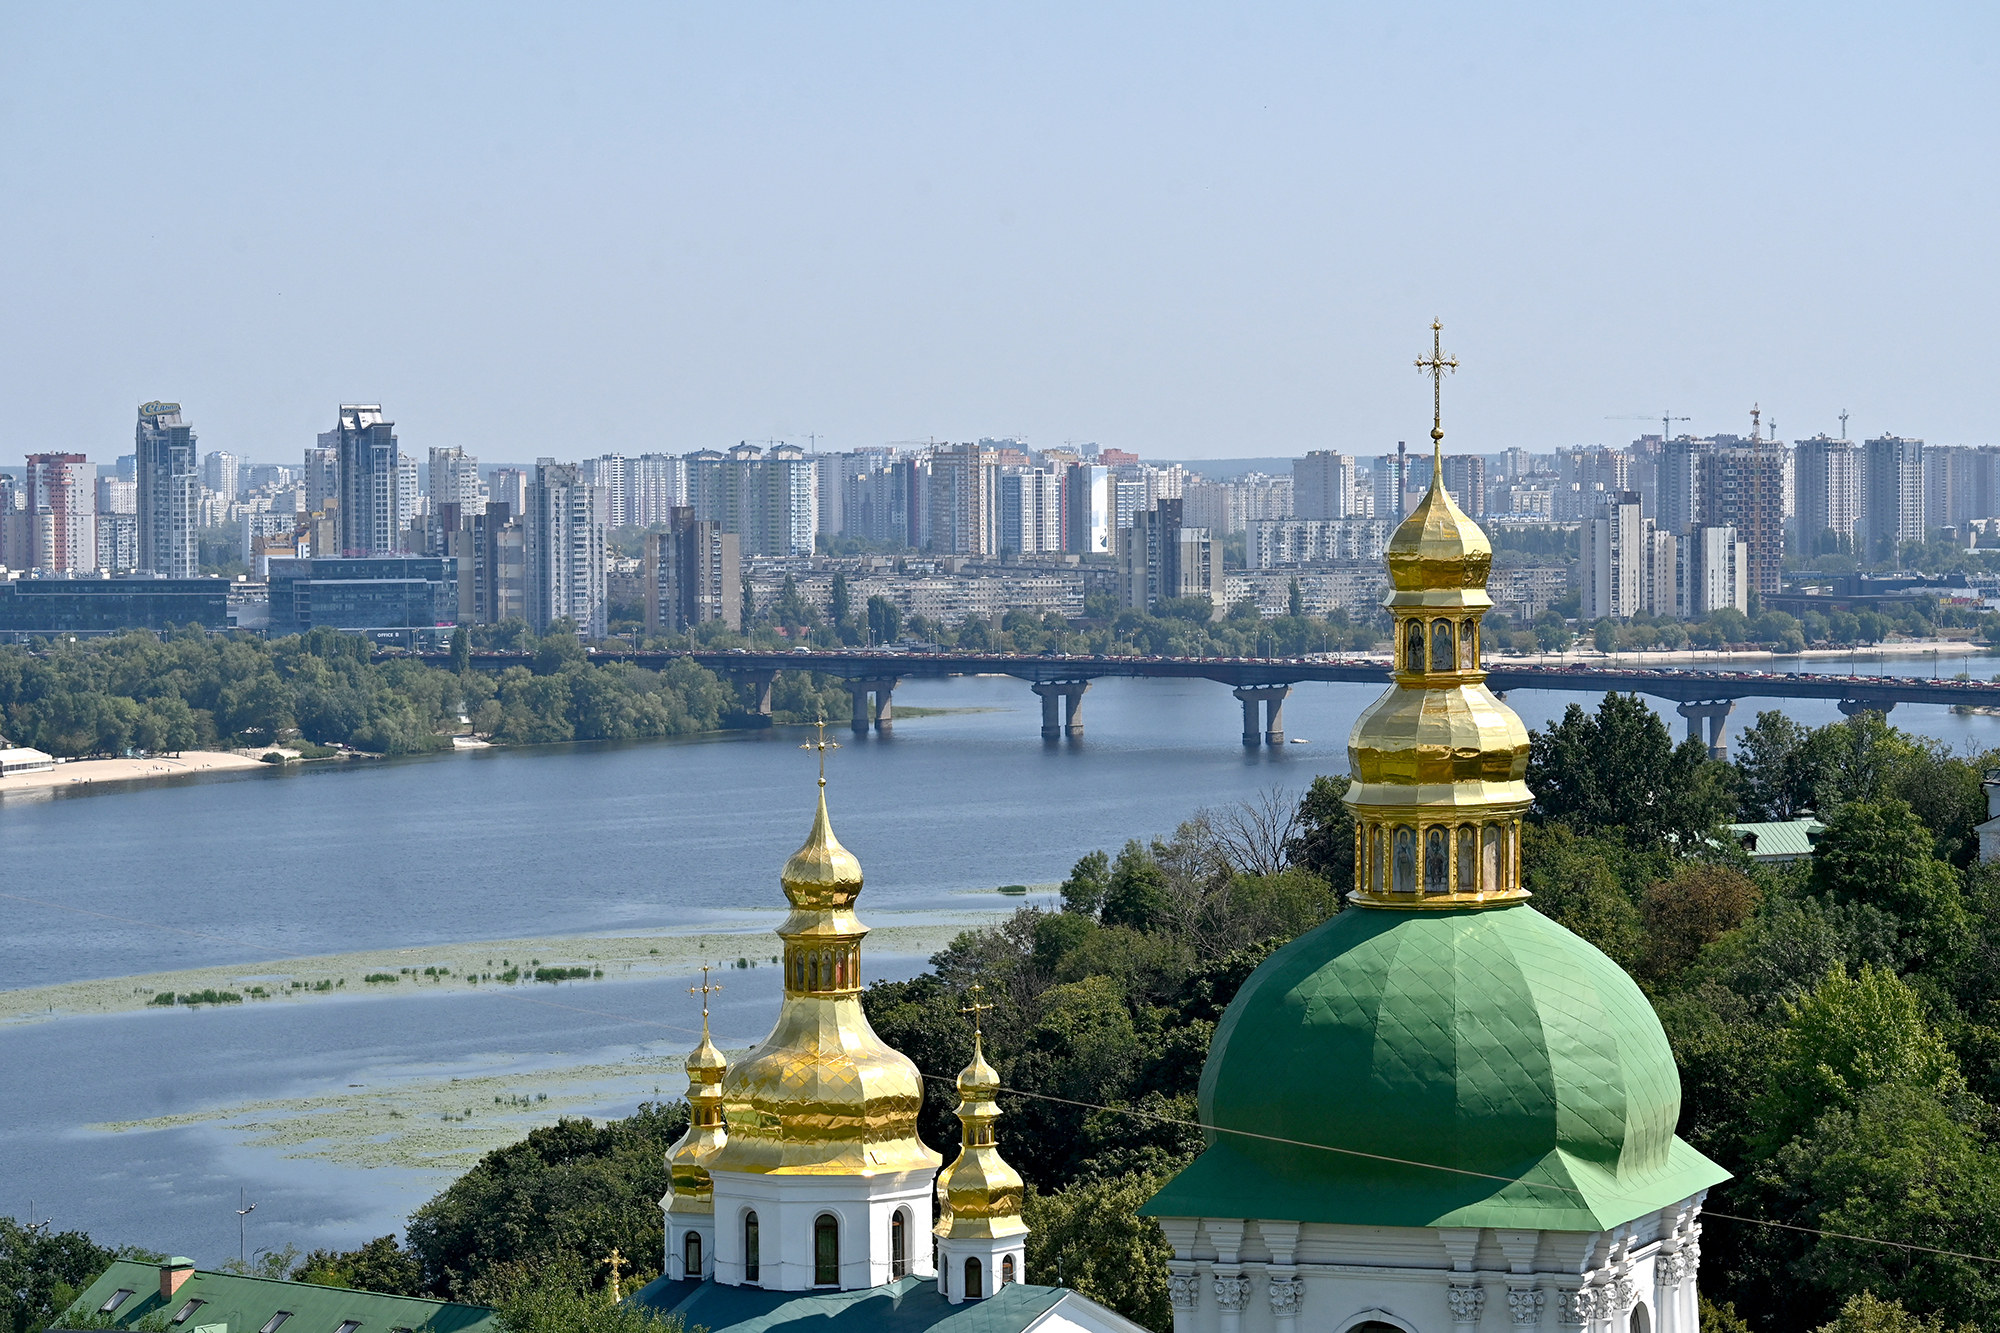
(153,768)
(477,965)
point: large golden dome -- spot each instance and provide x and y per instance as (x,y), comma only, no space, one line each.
(823,1095)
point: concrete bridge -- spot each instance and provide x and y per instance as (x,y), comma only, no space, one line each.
(1261,685)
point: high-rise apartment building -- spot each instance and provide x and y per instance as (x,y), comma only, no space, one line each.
(371,519)
(1031,511)
(1712,571)
(1322,485)
(1827,489)
(693,575)
(1158,558)
(565,550)
(1960,484)
(836,476)
(1465,478)
(454,480)
(509,486)
(61,508)
(1741,485)
(1892,508)
(499,564)
(117,497)
(117,542)
(959,516)
(321,474)
(1627,564)
(1677,501)
(1089,517)
(655,486)
(790,520)
(219,472)
(169,492)
(1392,479)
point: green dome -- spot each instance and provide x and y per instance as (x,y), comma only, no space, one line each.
(1492,1042)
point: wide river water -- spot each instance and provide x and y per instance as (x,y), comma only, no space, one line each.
(250,869)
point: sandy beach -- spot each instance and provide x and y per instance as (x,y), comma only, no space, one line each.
(76,772)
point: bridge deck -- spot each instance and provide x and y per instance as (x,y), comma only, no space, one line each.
(1680,685)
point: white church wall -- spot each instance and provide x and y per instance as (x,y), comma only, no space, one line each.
(1245,1276)
(788,1207)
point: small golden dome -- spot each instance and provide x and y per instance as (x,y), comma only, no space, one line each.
(706,1058)
(978,1077)
(822,874)
(979,1194)
(1437,546)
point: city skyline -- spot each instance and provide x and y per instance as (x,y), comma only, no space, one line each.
(1183,234)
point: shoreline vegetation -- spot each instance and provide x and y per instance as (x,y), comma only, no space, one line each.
(440,968)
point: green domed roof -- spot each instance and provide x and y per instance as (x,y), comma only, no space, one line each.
(1491,1042)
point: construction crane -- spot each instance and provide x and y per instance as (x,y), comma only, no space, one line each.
(1666,420)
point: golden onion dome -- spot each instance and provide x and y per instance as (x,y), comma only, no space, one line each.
(823,1094)
(1438,763)
(822,874)
(979,1195)
(691,1189)
(1438,548)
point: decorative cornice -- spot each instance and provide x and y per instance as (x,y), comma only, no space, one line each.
(1466,1302)
(1526,1304)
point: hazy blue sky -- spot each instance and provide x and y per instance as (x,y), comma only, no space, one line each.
(1185,231)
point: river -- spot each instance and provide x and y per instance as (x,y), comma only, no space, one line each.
(248,871)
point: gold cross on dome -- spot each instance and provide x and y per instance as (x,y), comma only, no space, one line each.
(822,745)
(975,1008)
(614,1262)
(1437,365)
(704,990)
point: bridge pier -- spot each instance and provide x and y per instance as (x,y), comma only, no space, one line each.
(1717,712)
(760,689)
(1856,707)
(882,713)
(1071,694)
(1273,699)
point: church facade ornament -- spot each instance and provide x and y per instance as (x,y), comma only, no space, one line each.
(1184,1290)
(1285,1293)
(1466,1302)
(1525,1304)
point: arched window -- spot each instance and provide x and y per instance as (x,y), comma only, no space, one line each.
(899,1263)
(751,1269)
(974,1287)
(826,1251)
(1007,1271)
(1442,656)
(1406,860)
(1413,654)
(1642,1322)
(1468,645)
(1437,861)
(691,1256)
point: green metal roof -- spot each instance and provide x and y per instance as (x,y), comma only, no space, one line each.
(1786,840)
(1491,1042)
(905,1306)
(234,1304)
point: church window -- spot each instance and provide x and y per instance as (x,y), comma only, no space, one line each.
(1468,859)
(974,1287)
(1406,860)
(691,1255)
(1413,654)
(1007,1271)
(1468,646)
(899,1263)
(826,1251)
(1489,859)
(1642,1322)
(752,1269)
(1437,862)
(1442,656)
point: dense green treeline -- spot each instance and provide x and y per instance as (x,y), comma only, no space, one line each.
(191,690)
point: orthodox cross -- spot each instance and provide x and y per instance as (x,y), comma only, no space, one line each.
(615,1262)
(822,745)
(975,1008)
(704,990)
(1437,365)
